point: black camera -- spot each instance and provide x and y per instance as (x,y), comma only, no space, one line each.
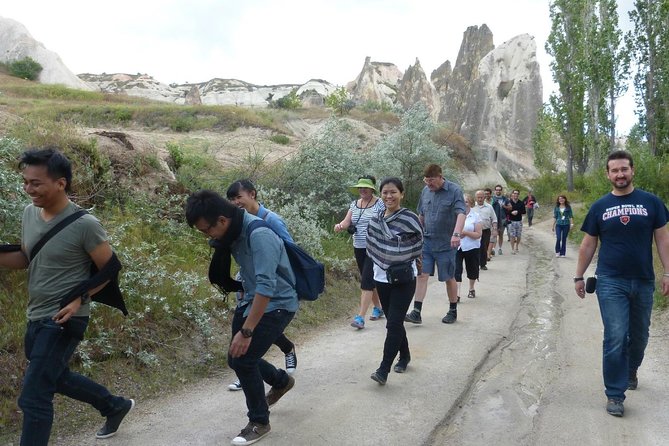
(591,285)
(351,229)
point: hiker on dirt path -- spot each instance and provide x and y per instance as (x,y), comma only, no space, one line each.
(269,300)
(58,314)
(357,218)
(625,221)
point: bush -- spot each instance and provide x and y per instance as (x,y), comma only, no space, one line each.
(339,101)
(26,68)
(280,139)
(291,101)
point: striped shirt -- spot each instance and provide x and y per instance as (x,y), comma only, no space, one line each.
(360,218)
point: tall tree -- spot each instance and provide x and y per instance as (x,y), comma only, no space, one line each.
(566,43)
(649,43)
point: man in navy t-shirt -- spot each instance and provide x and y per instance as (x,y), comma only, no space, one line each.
(625,221)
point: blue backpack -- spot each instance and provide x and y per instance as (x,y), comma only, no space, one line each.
(309,272)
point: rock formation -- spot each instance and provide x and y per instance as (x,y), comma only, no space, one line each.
(16,43)
(414,87)
(377,82)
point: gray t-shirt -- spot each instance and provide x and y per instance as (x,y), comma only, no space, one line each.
(440,211)
(62,263)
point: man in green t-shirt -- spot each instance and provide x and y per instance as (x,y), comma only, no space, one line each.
(53,333)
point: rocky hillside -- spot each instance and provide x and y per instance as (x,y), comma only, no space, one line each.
(490,96)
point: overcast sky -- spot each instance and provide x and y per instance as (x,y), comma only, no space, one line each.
(269,42)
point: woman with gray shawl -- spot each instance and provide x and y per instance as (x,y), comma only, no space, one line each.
(394,242)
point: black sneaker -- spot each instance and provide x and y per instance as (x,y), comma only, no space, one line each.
(380,377)
(633,381)
(114,421)
(401,365)
(274,394)
(450,317)
(615,407)
(251,433)
(413,317)
(291,362)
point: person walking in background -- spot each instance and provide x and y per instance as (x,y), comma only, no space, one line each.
(269,301)
(57,325)
(468,251)
(515,229)
(531,204)
(504,206)
(488,224)
(357,218)
(487,192)
(394,242)
(243,193)
(563,221)
(625,221)
(441,210)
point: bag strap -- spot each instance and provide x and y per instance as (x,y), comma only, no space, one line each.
(55,230)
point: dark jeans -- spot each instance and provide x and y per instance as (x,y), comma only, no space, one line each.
(625,306)
(395,301)
(485,241)
(49,347)
(561,233)
(530,215)
(252,370)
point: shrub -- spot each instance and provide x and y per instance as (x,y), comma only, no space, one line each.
(339,101)
(324,166)
(26,68)
(280,139)
(291,101)
(408,149)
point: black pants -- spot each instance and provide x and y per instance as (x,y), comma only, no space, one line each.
(471,259)
(395,301)
(485,241)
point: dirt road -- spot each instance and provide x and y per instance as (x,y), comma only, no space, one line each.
(521,366)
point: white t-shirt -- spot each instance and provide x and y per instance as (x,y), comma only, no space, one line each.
(468,243)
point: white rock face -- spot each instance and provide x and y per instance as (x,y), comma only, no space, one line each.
(510,94)
(16,43)
(377,82)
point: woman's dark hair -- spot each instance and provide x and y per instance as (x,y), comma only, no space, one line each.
(208,205)
(240,185)
(371,178)
(57,165)
(392,180)
(566,202)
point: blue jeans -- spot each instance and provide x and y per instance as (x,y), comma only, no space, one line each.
(395,301)
(561,233)
(625,306)
(49,347)
(251,369)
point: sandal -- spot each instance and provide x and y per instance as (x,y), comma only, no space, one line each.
(472,294)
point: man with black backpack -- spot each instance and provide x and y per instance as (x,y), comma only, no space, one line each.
(269,299)
(57,312)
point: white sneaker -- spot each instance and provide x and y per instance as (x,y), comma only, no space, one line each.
(235,386)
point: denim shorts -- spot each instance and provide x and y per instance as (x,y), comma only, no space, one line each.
(444,261)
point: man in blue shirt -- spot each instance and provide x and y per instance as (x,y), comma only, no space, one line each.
(626,221)
(269,299)
(441,209)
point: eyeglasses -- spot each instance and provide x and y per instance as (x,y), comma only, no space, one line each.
(428,180)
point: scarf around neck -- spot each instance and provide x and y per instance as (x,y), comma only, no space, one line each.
(397,238)
(219,267)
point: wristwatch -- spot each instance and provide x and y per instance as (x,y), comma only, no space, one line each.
(457,234)
(246,332)
(578,279)
(85,298)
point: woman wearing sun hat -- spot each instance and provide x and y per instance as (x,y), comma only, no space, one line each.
(357,218)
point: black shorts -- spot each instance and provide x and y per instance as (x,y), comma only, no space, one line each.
(366,268)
